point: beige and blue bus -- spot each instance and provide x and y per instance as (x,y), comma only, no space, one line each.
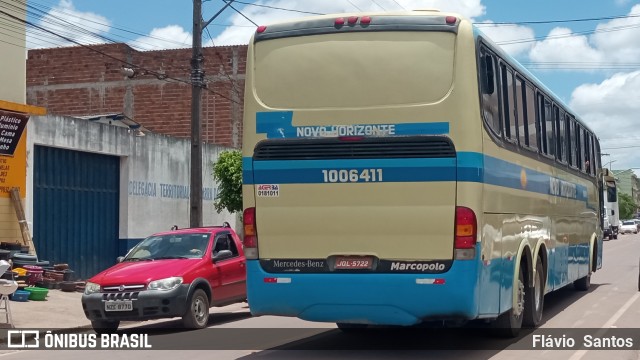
(400,168)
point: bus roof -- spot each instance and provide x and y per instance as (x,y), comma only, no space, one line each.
(310,25)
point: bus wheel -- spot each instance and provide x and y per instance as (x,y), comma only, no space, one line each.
(509,324)
(351,328)
(584,283)
(534,298)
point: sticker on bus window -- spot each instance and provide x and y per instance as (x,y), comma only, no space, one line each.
(268,190)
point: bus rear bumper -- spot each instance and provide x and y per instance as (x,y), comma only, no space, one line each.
(376,299)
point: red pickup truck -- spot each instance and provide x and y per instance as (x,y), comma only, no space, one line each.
(179,273)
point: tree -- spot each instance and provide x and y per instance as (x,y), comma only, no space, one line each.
(227,172)
(627,206)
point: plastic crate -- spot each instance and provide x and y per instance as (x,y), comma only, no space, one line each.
(20,295)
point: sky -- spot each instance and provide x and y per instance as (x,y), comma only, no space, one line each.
(586,51)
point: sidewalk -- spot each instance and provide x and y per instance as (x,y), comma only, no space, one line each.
(61,310)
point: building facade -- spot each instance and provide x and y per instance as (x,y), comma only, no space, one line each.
(151,88)
(628,183)
(14,114)
(95,190)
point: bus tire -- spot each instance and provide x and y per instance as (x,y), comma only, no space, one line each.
(508,324)
(534,298)
(583,284)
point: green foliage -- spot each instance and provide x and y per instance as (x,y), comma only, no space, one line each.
(627,206)
(227,172)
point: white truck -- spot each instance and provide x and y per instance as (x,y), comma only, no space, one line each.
(611,209)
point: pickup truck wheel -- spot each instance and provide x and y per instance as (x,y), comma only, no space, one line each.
(197,315)
(104,326)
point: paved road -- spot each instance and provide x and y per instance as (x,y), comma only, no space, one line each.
(613,303)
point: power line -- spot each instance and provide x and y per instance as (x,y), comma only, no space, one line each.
(241,14)
(380,6)
(278,8)
(158,75)
(399,5)
(354,5)
(621,147)
(573,34)
(559,21)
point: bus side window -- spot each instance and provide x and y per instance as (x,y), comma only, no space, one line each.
(532,128)
(488,75)
(546,131)
(490,102)
(508,104)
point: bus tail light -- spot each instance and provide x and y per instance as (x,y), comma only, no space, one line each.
(466,228)
(250,241)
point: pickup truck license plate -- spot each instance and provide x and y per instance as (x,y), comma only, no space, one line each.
(124,305)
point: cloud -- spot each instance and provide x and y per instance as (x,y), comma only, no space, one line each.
(75,26)
(514,39)
(619,39)
(66,20)
(613,44)
(242,29)
(563,49)
(611,109)
(168,37)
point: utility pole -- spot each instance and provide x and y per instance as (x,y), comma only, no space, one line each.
(197,83)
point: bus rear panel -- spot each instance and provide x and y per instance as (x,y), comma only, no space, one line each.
(351,166)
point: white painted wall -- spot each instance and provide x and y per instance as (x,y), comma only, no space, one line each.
(154,172)
(13,55)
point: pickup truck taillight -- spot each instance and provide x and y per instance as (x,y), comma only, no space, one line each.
(250,241)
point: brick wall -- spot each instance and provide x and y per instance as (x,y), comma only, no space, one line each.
(77,81)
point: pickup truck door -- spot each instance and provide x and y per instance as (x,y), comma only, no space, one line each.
(232,271)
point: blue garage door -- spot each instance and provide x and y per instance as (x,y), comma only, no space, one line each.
(75,219)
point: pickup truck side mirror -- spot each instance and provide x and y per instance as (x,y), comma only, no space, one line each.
(222,255)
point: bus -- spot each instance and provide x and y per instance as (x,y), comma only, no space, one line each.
(400,169)
(611,208)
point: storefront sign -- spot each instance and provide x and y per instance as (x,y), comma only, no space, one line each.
(11,128)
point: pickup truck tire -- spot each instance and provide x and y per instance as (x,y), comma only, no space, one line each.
(197,314)
(104,326)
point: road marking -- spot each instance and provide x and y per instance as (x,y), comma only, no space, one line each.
(580,353)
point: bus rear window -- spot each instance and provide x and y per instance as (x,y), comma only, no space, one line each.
(354,70)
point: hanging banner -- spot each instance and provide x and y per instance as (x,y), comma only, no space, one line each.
(12,126)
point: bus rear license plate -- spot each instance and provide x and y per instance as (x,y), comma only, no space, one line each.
(357,262)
